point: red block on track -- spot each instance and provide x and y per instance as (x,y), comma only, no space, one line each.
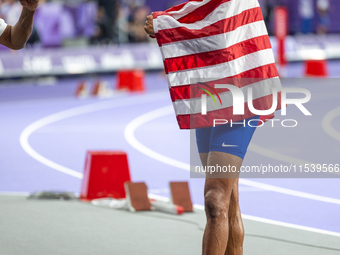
(316,68)
(104,175)
(132,80)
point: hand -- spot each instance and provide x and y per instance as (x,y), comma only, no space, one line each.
(149,26)
(30,5)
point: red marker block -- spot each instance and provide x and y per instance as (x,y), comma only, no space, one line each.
(132,80)
(104,175)
(180,195)
(316,68)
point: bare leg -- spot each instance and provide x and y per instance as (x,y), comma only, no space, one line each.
(217,195)
(236,229)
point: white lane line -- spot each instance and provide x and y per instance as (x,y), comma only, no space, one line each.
(11,193)
(159,191)
(129,134)
(263,220)
(102,106)
(116,103)
(275,155)
(131,139)
(327,123)
(283,158)
(289,225)
(289,192)
(200,207)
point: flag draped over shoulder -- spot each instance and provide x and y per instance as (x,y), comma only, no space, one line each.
(209,42)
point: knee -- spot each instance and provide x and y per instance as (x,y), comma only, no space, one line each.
(216,205)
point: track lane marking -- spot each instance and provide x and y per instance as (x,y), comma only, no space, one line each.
(73,112)
(131,139)
(129,134)
(102,106)
(327,123)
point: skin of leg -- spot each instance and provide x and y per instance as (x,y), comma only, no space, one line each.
(236,229)
(217,195)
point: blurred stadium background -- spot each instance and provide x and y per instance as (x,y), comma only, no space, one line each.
(51,113)
(82,37)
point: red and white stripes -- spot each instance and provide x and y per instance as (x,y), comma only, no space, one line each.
(216,42)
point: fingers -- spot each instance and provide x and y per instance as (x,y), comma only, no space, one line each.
(147,28)
(30,5)
(149,25)
(149,19)
(30,1)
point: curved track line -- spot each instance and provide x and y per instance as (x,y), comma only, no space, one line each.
(327,123)
(131,139)
(244,216)
(289,225)
(289,192)
(122,102)
(129,131)
(275,155)
(263,220)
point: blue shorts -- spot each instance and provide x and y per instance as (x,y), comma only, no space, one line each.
(224,138)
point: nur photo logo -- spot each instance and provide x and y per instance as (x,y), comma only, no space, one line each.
(239,101)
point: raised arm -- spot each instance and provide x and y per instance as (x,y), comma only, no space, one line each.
(15,37)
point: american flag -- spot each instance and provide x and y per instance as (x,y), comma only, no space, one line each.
(208,42)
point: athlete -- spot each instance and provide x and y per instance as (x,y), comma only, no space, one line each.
(15,37)
(224,232)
